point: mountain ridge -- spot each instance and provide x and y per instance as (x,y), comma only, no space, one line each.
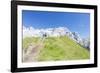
(55,32)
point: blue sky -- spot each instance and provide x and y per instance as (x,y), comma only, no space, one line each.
(75,22)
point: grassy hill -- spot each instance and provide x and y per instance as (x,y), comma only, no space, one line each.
(58,48)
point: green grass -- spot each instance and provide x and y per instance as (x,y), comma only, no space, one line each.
(59,48)
(28,40)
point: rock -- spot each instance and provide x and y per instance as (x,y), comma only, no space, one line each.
(76,37)
(86,43)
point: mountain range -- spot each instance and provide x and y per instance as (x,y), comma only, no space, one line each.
(56,32)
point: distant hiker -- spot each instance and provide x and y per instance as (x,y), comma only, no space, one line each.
(44,35)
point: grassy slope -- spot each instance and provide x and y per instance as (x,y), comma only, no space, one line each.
(59,48)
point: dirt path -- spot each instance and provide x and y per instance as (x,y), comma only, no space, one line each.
(32,52)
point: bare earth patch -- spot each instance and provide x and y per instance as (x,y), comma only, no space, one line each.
(32,52)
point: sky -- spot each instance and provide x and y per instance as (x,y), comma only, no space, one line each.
(75,22)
